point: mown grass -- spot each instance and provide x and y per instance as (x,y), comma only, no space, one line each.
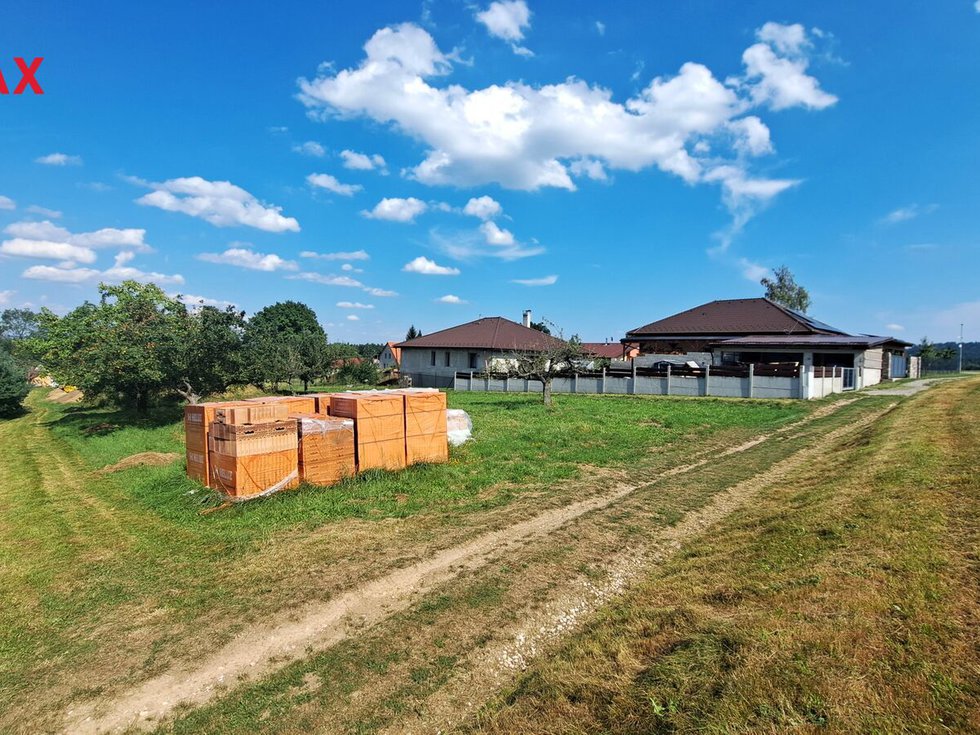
(842,601)
(95,569)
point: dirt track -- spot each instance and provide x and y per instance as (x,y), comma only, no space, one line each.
(316,627)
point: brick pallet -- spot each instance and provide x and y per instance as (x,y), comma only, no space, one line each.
(326,450)
(197,422)
(254,459)
(379,427)
(426,438)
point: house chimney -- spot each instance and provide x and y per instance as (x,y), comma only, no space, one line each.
(527,318)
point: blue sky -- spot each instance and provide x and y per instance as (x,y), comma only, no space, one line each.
(429,163)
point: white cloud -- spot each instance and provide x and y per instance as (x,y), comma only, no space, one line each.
(752,271)
(107,237)
(545,281)
(471,244)
(219,202)
(247,258)
(976,6)
(327,280)
(528,137)
(199,301)
(47,249)
(354,305)
(428,267)
(903,214)
(352,255)
(310,148)
(6,203)
(351,269)
(450,299)
(506,19)
(894,327)
(744,197)
(59,159)
(380,292)
(363,161)
(6,296)
(495,235)
(600,28)
(775,69)
(330,183)
(43,211)
(119,272)
(484,207)
(353,318)
(397,210)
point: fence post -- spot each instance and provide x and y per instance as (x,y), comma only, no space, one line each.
(486,382)
(668,379)
(602,388)
(707,378)
(633,379)
(751,379)
(574,382)
(454,381)
(507,383)
(470,387)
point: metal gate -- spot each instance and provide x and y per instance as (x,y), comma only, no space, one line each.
(847,375)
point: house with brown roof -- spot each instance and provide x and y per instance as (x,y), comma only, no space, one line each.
(610,350)
(760,331)
(485,344)
(390,356)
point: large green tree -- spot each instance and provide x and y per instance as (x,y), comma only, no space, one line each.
(13,385)
(212,358)
(783,289)
(129,347)
(284,342)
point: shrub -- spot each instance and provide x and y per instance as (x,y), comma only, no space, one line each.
(13,386)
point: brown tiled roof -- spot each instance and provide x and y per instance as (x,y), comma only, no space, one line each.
(734,317)
(611,350)
(395,351)
(489,333)
(812,340)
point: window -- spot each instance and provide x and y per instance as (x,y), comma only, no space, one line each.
(448,361)
(433,358)
(472,361)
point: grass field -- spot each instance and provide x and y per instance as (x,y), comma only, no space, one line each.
(835,593)
(105,578)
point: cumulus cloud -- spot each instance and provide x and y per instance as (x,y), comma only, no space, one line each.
(219,202)
(600,28)
(353,317)
(472,244)
(484,207)
(59,159)
(354,305)
(327,280)
(47,249)
(397,210)
(247,258)
(428,267)
(752,271)
(330,183)
(363,161)
(544,281)
(6,296)
(450,299)
(49,241)
(495,235)
(506,19)
(350,268)
(195,301)
(381,292)
(351,255)
(528,137)
(70,273)
(310,148)
(894,327)
(6,203)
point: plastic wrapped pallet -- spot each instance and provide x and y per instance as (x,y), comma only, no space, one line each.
(249,412)
(249,461)
(459,426)
(425,426)
(379,427)
(326,450)
(197,422)
(294,404)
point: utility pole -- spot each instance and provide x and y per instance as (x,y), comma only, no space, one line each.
(961,349)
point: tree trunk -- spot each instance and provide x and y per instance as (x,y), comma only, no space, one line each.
(142,402)
(546,393)
(306,385)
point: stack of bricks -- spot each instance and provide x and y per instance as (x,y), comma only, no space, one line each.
(326,450)
(379,427)
(197,424)
(425,426)
(253,449)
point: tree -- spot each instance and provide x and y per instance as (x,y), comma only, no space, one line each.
(412,333)
(541,326)
(784,290)
(285,342)
(129,347)
(927,351)
(13,385)
(18,324)
(558,359)
(212,359)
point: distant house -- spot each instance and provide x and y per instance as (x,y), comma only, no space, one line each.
(610,350)
(484,344)
(752,331)
(390,356)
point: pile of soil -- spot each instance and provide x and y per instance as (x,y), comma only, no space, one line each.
(143,459)
(59,396)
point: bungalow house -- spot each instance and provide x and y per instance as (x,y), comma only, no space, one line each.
(760,331)
(484,344)
(610,350)
(390,356)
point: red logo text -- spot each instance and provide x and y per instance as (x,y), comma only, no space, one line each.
(28,77)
